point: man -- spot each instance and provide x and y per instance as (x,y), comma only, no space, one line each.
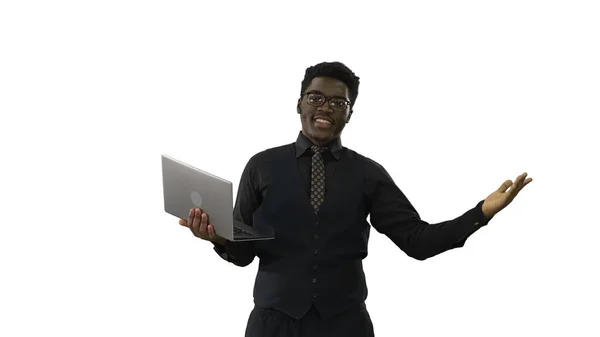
(317,194)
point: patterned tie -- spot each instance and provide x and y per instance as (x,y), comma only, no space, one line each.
(317,178)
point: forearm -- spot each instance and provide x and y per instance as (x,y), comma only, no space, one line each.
(247,201)
(428,240)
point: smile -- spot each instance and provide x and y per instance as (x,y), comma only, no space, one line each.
(322,123)
(321,120)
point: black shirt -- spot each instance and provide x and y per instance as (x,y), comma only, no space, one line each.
(391,213)
(316,258)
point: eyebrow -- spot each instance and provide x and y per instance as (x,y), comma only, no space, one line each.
(318,92)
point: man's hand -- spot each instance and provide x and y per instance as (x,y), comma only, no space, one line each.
(496,201)
(198,223)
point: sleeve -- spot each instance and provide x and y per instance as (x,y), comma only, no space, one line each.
(393,215)
(247,201)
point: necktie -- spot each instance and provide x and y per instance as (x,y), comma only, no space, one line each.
(317,178)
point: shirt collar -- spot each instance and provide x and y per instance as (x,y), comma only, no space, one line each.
(302,144)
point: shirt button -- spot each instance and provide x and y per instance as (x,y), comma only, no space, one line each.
(314,266)
(314,295)
(317,223)
(316,252)
(315,236)
(477,223)
(314,280)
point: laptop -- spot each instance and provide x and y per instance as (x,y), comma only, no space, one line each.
(186,187)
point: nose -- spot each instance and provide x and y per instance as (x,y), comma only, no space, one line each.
(325,108)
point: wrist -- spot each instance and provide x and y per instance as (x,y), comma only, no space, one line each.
(220,241)
(486,212)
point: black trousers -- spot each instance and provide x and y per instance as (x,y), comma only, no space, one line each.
(272,323)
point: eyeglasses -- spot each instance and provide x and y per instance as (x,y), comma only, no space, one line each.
(317,100)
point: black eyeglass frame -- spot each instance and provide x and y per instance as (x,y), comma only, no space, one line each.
(327,100)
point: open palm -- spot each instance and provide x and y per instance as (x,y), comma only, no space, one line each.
(502,197)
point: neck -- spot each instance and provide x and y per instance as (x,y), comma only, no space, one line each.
(318,142)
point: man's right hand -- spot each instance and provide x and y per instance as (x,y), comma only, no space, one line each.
(197,222)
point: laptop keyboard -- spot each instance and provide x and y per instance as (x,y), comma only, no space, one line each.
(238,232)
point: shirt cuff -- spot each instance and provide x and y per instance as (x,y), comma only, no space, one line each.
(221,251)
(481,219)
(474,222)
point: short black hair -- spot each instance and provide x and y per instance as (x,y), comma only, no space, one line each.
(336,70)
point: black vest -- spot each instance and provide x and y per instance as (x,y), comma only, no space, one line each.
(314,259)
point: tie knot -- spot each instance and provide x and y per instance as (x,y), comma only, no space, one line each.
(318,149)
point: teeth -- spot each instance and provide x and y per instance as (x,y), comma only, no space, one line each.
(323,121)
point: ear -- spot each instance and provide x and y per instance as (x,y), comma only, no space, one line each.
(349,116)
(298,106)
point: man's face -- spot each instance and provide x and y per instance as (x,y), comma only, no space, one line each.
(322,124)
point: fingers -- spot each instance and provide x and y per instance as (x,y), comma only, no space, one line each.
(520,182)
(514,187)
(212,235)
(505,185)
(525,182)
(198,223)
(184,222)
(203,226)
(190,218)
(195,225)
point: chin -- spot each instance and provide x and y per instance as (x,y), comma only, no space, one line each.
(322,135)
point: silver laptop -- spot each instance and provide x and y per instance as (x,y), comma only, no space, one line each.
(186,187)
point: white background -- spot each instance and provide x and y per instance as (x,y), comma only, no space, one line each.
(455,98)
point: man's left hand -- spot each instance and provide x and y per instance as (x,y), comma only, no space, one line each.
(496,201)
